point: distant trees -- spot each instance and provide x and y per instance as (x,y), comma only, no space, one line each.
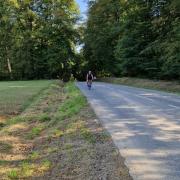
(134,38)
(101,35)
(121,38)
(37,38)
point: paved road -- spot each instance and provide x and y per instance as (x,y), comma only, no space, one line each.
(145,126)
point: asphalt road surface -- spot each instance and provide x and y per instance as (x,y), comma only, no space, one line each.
(145,126)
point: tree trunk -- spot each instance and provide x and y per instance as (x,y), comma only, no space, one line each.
(9,64)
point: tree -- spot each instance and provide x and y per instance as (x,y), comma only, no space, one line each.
(134,38)
(6,37)
(136,34)
(41,38)
(101,35)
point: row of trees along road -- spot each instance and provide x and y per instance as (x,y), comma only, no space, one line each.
(37,38)
(139,38)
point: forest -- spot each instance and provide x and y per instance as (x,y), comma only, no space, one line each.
(137,38)
(37,38)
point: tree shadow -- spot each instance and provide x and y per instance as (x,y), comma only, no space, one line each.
(144,126)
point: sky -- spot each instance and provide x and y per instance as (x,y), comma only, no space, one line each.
(83,6)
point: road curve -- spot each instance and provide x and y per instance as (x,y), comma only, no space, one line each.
(145,126)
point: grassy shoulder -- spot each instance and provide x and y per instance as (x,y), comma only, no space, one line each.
(167,86)
(58,137)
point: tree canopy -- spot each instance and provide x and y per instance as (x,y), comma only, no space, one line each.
(37,38)
(134,38)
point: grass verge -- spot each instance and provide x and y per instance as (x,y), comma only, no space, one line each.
(59,137)
(167,86)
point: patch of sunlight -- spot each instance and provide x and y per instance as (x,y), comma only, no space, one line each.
(3,118)
(148,94)
(164,124)
(74,127)
(26,170)
(169,130)
(14,157)
(17,146)
(128,107)
(44,166)
(5,170)
(17,127)
(10,139)
(51,150)
(146,162)
(123,135)
(57,133)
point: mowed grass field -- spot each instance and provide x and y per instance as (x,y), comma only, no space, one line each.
(15,96)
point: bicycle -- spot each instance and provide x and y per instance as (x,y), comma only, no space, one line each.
(89,84)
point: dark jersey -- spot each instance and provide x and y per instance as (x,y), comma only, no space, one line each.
(89,76)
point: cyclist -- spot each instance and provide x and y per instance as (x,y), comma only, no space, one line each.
(89,79)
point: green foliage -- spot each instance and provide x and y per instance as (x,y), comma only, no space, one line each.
(37,39)
(134,38)
(101,35)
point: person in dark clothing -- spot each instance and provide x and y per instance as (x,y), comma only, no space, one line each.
(89,79)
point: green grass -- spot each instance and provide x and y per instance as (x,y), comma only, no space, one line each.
(44,118)
(26,169)
(167,86)
(34,155)
(87,135)
(35,132)
(71,106)
(15,96)
(46,164)
(57,133)
(17,119)
(13,174)
(73,103)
